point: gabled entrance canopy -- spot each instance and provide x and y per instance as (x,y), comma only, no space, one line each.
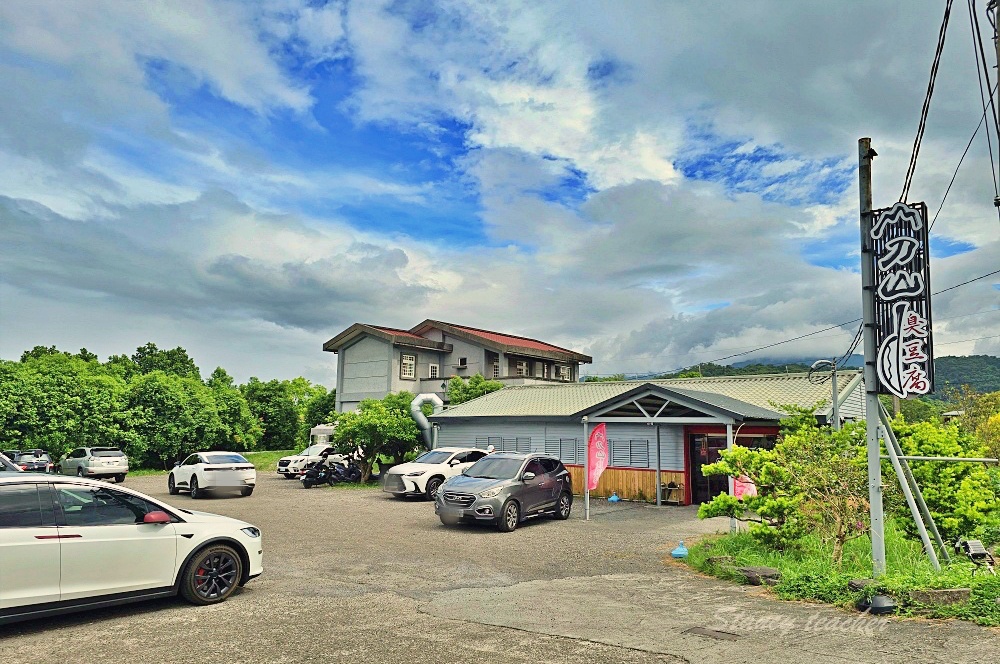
(656,404)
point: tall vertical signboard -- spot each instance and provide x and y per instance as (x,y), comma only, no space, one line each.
(900,255)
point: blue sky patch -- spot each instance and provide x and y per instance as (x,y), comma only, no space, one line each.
(777,176)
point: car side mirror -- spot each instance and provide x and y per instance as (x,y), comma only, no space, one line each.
(454,462)
(158,517)
(528,476)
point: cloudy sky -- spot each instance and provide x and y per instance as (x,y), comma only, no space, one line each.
(655,183)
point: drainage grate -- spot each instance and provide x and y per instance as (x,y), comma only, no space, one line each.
(712,633)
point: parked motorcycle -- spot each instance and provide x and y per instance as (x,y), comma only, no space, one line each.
(319,472)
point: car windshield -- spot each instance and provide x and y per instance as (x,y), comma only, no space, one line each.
(106,452)
(495,468)
(432,457)
(225,458)
(31,456)
(314,450)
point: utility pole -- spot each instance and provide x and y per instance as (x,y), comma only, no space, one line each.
(865,154)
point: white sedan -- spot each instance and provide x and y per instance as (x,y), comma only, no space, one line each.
(425,474)
(206,471)
(70,544)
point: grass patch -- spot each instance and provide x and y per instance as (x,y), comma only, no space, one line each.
(807,573)
(143,472)
(267,459)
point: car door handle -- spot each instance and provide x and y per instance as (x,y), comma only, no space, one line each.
(48,537)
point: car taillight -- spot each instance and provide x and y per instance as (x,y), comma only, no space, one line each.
(24,466)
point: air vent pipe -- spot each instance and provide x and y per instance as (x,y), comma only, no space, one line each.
(418,415)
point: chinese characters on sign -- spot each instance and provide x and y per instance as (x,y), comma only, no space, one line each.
(900,254)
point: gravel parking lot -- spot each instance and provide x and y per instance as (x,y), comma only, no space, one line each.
(355,575)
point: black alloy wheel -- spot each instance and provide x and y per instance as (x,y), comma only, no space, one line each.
(433,484)
(212,575)
(195,491)
(563,507)
(510,516)
(171,487)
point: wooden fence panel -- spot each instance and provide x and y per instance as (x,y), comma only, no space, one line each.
(629,483)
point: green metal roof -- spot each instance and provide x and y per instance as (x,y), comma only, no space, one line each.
(749,397)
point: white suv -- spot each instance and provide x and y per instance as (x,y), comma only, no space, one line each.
(82,544)
(292,466)
(427,472)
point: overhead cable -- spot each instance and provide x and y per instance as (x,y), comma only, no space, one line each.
(927,103)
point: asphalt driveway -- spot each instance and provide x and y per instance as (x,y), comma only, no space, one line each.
(356,576)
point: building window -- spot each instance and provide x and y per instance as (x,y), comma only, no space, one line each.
(408,367)
(496,369)
(521,368)
(433,371)
(563,372)
(539,368)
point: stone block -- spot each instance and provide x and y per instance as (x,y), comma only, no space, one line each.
(941,597)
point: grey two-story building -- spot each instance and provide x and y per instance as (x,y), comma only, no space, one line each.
(375,361)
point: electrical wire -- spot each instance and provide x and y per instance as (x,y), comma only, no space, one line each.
(927,103)
(982,119)
(983,71)
(854,344)
(962,341)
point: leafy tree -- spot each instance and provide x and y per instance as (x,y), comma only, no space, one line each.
(220,378)
(605,379)
(962,497)
(58,401)
(460,391)
(176,361)
(815,479)
(86,355)
(273,405)
(378,427)
(39,351)
(980,416)
(320,409)
(122,366)
(240,431)
(174,416)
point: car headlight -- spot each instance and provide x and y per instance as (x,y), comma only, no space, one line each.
(491,493)
(251,531)
(416,473)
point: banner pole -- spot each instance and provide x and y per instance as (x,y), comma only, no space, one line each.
(586,472)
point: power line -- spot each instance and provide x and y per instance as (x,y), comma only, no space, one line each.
(927,103)
(982,276)
(962,341)
(982,119)
(833,327)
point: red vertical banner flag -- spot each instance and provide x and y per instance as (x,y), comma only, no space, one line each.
(597,455)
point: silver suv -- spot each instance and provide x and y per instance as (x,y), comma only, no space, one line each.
(505,488)
(95,462)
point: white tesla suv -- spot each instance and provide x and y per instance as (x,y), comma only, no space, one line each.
(207,471)
(427,472)
(68,544)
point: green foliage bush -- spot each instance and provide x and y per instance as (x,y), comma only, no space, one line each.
(460,391)
(153,405)
(962,497)
(814,480)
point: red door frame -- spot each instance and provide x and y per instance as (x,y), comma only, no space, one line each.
(716,430)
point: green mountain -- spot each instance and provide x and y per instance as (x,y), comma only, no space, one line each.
(980,372)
